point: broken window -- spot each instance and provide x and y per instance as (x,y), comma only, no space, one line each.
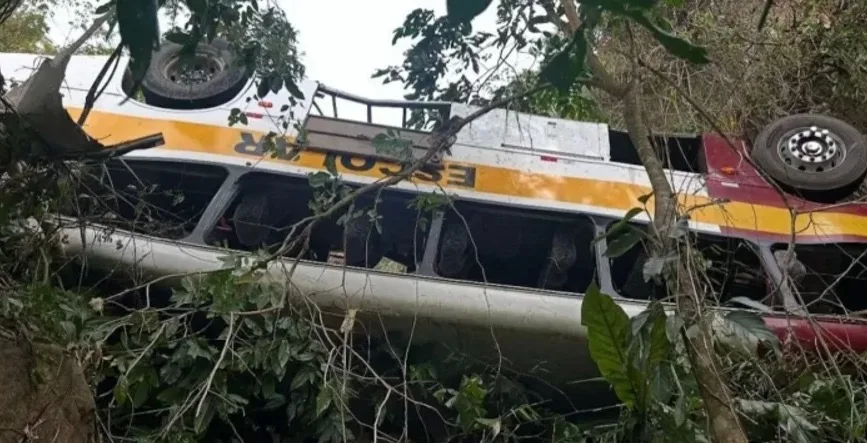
(828,278)
(532,249)
(731,268)
(160,198)
(627,269)
(683,153)
(383,231)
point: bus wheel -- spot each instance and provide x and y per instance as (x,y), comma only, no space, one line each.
(210,77)
(812,153)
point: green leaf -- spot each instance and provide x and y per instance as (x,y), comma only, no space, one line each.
(638,12)
(203,419)
(796,423)
(103,8)
(301,378)
(274,402)
(138,26)
(659,343)
(608,336)
(673,325)
(661,382)
(791,418)
(622,243)
(619,226)
(679,411)
(264,87)
(749,329)
(653,266)
(757,305)
(283,353)
(648,347)
(631,214)
(677,46)
(276,83)
(178,37)
(645,198)
(464,11)
(140,391)
(323,401)
(331,165)
(319,179)
(293,88)
(121,393)
(639,322)
(469,401)
(566,66)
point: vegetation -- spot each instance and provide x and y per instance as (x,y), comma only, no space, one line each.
(227,357)
(25,31)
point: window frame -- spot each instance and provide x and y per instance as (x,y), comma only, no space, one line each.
(152,163)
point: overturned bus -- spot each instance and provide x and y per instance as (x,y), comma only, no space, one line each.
(508,257)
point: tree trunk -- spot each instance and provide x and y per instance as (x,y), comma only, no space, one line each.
(724,422)
(725,427)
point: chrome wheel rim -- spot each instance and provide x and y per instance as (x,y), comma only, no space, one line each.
(812,149)
(195,70)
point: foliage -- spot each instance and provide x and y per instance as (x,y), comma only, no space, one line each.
(218,371)
(26,31)
(226,355)
(574,104)
(224,359)
(644,360)
(263,36)
(801,61)
(445,54)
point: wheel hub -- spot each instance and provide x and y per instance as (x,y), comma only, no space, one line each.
(200,68)
(811,149)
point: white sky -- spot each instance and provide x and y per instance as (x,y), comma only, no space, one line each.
(343,41)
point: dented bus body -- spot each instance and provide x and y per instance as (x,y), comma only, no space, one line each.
(500,271)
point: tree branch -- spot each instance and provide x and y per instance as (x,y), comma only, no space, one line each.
(724,423)
(38,103)
(62,58)
(442,140)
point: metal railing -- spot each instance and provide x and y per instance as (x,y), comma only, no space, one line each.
(326,93)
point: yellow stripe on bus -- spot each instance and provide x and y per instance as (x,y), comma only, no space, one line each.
(224,140)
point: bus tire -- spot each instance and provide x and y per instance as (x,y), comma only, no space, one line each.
(812,153)
(217,77)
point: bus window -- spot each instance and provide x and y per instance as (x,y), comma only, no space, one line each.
(627,274)
(532,249)
(832,277)
(682,153)
(160,198)
(384,233)
(731,266)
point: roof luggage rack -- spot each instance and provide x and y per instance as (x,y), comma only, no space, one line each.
(342,135)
